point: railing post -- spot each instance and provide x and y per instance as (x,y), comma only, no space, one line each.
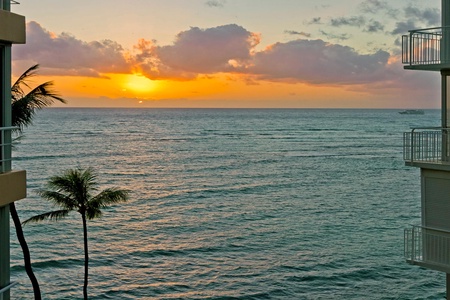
(407,244)
(444,145)
(410,48)
(413,254)
(412,145)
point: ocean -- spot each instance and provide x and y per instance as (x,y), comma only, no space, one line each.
(228,204)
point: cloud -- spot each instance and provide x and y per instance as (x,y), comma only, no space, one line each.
(332,36)
(318,62)
(357,21)
(209,50)
(293,32)
(403,27)
(314,21)
(376,7)
(68,54)
(223,49)
(371,26)
(431,16)
(374,26)
(215,3)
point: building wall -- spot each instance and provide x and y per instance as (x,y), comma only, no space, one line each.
(436,219)
(436,199)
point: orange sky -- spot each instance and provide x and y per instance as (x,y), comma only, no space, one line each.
(223,90)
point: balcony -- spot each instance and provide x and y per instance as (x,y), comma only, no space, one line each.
(13,185)
(428,247)
(427,49)
(427,147)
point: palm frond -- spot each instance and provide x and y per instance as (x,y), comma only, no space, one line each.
(93,213)
(109,196)
(104,199)
(76,184)
(16,90)
(44,95)
(62,184)
(52,215)
(59,199)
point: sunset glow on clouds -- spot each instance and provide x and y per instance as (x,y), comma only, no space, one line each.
(341,60)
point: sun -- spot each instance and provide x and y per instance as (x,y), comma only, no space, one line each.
(138,83)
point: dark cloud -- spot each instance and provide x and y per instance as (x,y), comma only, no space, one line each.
(333,36)
(215,3)
(374,26)
(430,16)
(293,32)
(377,7)
(403,27)
(313,21)
(356,21)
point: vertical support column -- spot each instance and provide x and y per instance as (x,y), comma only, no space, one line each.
(447,281)
(4,250)
(5,98)
(445,114)
(5,121)
(445,42)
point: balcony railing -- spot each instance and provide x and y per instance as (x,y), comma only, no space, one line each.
(428,46)
(428,145)
(5,148)
(428,247)
(6,289)
(10,1)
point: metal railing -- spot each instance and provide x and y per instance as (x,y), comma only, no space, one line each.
(6,288)
(413,244)
(427,245)
(427,144)
(5,148)
(424,46)
(2,4)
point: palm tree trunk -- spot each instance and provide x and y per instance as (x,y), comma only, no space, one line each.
(25,250)
(86,257)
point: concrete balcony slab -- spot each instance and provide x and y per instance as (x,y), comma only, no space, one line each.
(12,28)
(13,186)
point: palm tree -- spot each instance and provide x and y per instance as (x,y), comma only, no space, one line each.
(73,191)
(23,108)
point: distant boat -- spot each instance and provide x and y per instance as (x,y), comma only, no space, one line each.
(412,112)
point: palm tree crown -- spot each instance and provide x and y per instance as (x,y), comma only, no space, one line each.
(73,191)
(24,105)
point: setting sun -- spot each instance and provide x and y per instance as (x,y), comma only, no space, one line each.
(138,83)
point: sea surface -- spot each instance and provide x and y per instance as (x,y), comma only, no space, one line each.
(228,204)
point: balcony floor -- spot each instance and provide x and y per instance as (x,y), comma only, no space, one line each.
(428,67)
(430,265)
(442,165)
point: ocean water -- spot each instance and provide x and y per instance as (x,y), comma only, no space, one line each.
(228,204)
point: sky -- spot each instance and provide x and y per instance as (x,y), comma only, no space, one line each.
(228,53)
